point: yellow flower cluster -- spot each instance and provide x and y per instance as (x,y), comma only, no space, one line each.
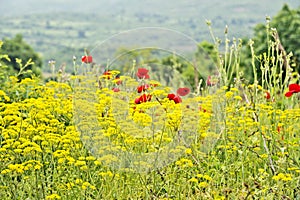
(68,140)
(283,177)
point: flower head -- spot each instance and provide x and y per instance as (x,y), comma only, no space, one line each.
(293,88)
(142,88)
(87,59)
(209,81)
(116,89)
(142,73)
(143,98)
(175,98)
(183,91)
(267,95)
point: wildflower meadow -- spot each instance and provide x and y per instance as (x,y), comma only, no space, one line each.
(112,134)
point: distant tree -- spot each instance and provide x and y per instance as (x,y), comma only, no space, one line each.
(202,65)
(125,58)
(81,34)
(16,48)
(208,49)
(287,24)
(175,71)
(48,25)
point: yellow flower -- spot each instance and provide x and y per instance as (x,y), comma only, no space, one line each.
(234,89)
(199,175)
(28,167)
(53,196)
(96,162)
(293,168)
(238,98)
(287,178)
(108,173)
(85,185)
(263,155)
(78,181)
(70,185)
(37,167)
(5,171)
(193,180)
(91,158)
(81,158)
(80,163)
(188,151)
(207,177)
(61,160)
(84,168)
(203,184)
(4,96)
(229,94)
(183,162)
(18,150)
(282,176)
(224,87)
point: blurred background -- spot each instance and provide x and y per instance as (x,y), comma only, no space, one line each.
(59,29)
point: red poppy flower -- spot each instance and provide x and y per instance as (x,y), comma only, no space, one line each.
(116,89)
(87,59)
(267,95)
(137,100)
(293,88)
(175,98)
(142,73)
(183,91)
(142,88)
(209,82)
(289,94)
(171,96)
(119,81)
(143,98)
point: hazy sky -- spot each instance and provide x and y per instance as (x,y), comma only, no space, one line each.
(20,7)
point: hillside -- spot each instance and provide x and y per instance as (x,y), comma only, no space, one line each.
(60,29)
